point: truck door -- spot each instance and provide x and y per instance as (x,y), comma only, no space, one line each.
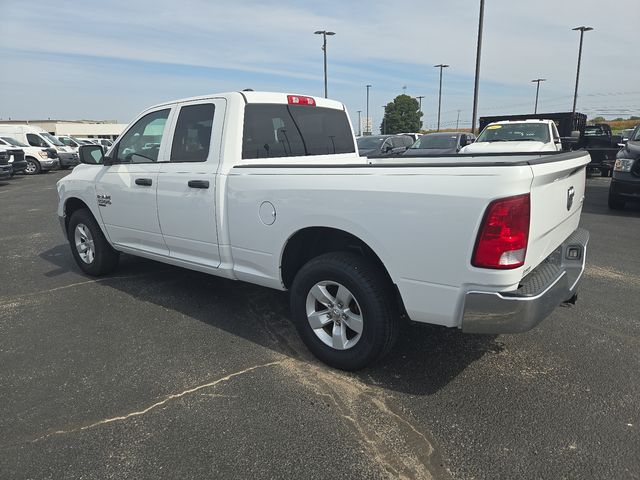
(187,183)
(126,191)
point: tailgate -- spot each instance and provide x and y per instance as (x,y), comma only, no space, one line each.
(557,195)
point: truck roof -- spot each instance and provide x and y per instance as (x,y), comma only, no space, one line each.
(530,120)
(259,97)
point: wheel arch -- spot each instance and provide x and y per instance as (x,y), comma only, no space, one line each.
(73,204)
(310,242)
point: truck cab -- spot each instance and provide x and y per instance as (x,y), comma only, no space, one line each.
(517,136)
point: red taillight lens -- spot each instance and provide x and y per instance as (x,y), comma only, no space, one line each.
(300,100)
(504,234)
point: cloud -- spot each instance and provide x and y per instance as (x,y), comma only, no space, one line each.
(118,54)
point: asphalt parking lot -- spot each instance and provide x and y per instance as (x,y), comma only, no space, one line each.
(159,372)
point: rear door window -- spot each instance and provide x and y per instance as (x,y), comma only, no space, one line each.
(278,130)
(193,133)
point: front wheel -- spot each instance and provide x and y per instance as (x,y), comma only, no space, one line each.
(344,309)
(33,167)
(89,247)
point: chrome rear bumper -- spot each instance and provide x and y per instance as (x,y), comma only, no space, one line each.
(553,282)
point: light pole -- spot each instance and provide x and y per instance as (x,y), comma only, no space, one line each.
(477,80)
(458,120)
(366,119)
(441,66)
(324,34)
(537,80)
(420,97)
(359,124)
(575,95)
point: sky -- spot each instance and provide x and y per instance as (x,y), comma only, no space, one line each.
(110,59)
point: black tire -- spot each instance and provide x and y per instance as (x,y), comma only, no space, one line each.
(373,291)
(614,201)
(105,258)
(33,167)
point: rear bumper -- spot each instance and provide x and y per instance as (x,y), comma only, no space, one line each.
(553,282)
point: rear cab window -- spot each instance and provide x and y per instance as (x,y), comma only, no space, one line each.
(283,130)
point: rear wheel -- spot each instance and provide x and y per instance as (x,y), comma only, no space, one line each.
(33,166)
(344,309)
(89,247)
(615,201)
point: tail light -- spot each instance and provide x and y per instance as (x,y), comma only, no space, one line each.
(300,100)
(504,234)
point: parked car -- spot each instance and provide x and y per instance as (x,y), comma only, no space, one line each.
(414,136)
(269,188)
(380,145)
(433,144)
(625,181)
(6,170)
(37,159)
(105,142)
(517,136)
(277,195)
(16,157)
(38,137)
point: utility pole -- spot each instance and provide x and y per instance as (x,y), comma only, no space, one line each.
(359,124)
(420,97)
(324,34)
(441,66)
(458,120)
(575,95)
(538,80)
(367,117)
(477,80)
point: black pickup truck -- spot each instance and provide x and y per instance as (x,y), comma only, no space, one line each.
(625,184)
(602,145)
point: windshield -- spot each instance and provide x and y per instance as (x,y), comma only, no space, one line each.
(51,139)
(369,143)
(593,131)
(69,142)
(515,132)
(14,142)
(635,136)
(436,141)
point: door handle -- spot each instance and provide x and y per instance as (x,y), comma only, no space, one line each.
(145,182)
(198,183)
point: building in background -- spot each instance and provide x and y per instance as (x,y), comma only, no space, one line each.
(76,128)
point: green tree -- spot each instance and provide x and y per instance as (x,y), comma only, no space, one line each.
(598,120)
(401,115)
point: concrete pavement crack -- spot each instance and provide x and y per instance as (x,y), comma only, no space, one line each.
(157,404)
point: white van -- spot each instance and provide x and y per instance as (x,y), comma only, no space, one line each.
(38,159)
(38,137)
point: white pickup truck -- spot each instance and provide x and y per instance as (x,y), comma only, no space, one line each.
(516,136)
(269,188)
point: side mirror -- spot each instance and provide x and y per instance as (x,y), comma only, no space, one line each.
(91,155)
